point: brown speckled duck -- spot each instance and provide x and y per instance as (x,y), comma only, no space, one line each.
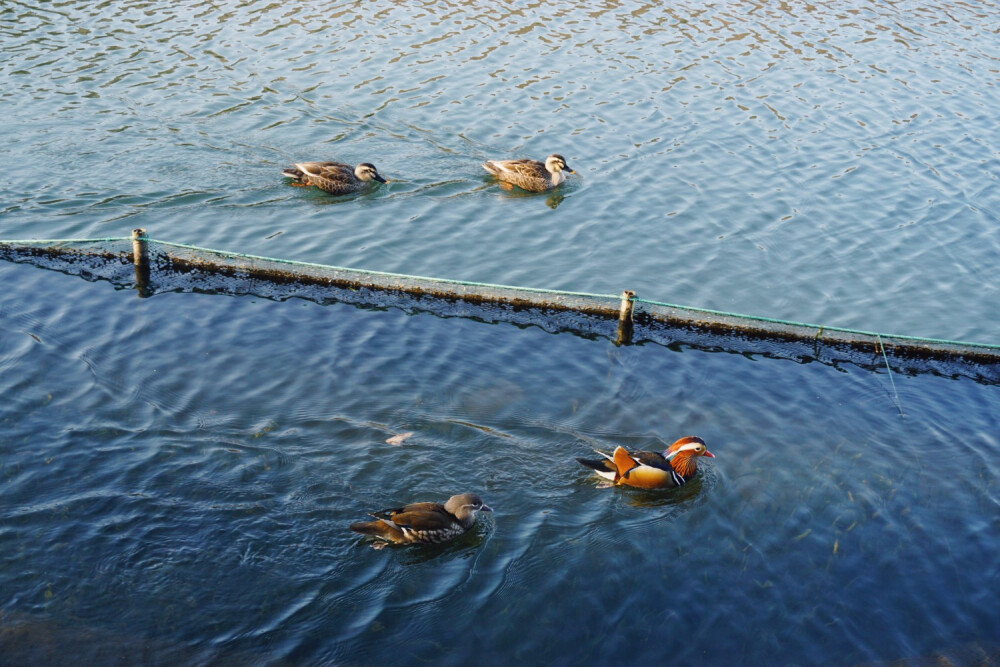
(425,523)
(530,175)
(649,470)
(333,177)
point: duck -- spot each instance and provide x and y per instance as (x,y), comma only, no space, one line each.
(334,177)
(530,175)
(676,466)
(424,523)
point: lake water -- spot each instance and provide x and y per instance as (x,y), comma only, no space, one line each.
(177,473)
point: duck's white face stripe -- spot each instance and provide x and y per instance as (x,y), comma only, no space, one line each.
(683,448)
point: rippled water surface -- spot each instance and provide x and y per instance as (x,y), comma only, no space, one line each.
(177,473)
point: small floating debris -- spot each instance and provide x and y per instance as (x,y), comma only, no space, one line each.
(398,440)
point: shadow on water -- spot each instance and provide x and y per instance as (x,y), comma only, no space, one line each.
(553,198)
(645,499)
(320,198)
(177,268)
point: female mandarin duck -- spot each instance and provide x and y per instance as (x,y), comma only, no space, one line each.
(333,177)
(649,470)
(425,523)
(530,175)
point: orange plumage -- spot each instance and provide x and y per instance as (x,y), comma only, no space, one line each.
(649,470)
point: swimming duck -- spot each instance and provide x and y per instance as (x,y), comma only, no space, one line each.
(649,470)
(530,175)
(425,523)
(333,177)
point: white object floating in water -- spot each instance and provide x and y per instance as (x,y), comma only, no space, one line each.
(399,439)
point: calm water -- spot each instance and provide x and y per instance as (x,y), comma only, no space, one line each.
(177,473)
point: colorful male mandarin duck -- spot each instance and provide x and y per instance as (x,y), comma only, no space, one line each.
(333,177)
(425,523)
(649,470)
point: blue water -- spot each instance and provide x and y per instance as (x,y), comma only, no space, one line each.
(177,473)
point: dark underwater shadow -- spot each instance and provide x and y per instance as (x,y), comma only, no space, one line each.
(318,197)
(645,498)
(30,639)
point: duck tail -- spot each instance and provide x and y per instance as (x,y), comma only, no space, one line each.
(492,168)
(602,467)
(294,173)
(380,529)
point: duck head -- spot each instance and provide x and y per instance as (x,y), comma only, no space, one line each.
(366,171)
(464,506)
(556,163)
(684,454)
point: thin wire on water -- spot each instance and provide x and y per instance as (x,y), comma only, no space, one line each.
(881,347)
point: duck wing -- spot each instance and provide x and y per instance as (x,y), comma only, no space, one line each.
(651,459)
(529,175)
(300,170)
(643,470)
(423,517)
(333,177)
(412,507)
(332,170)
(521,168)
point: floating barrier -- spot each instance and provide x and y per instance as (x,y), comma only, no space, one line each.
(152,267)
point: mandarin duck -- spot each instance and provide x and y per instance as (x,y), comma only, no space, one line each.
(530,175)
(333,177)
(424,523)
(649,470)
